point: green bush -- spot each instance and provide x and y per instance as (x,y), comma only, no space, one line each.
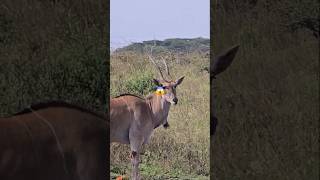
(140,83)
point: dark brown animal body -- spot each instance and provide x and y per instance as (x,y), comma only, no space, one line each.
(54,141)
(220,64)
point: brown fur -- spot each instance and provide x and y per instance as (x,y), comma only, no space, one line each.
(30,140)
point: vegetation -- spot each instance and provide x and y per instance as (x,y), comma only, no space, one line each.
(268,100)
(182,151)
(177,45)
(52,50)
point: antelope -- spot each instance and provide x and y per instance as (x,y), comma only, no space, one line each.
(54,140)
(133,118)
(220,64)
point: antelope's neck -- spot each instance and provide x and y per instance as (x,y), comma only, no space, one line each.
(159,108)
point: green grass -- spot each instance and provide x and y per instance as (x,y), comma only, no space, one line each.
(153,171)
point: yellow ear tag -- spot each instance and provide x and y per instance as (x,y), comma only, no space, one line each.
(160,91)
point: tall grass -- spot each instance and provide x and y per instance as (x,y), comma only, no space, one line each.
(268,101)
(183,149)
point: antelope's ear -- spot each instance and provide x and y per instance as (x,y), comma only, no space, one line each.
(223,61)
(156,82)
(179,81)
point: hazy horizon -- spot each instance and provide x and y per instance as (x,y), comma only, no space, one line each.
(141,20)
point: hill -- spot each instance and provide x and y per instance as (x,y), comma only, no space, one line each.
(183,45)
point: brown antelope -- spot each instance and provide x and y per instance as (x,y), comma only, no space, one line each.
(54,141)
(219,64)
(133,118)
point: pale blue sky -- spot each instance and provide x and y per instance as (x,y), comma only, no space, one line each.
(139,20)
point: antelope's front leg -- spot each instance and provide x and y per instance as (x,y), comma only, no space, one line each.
(135,145)
(135,160)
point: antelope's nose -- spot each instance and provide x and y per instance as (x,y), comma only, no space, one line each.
(175,100)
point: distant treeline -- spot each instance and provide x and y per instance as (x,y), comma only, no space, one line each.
(173,45)
(53,50)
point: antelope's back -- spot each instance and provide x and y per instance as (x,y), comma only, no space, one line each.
(52,144)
